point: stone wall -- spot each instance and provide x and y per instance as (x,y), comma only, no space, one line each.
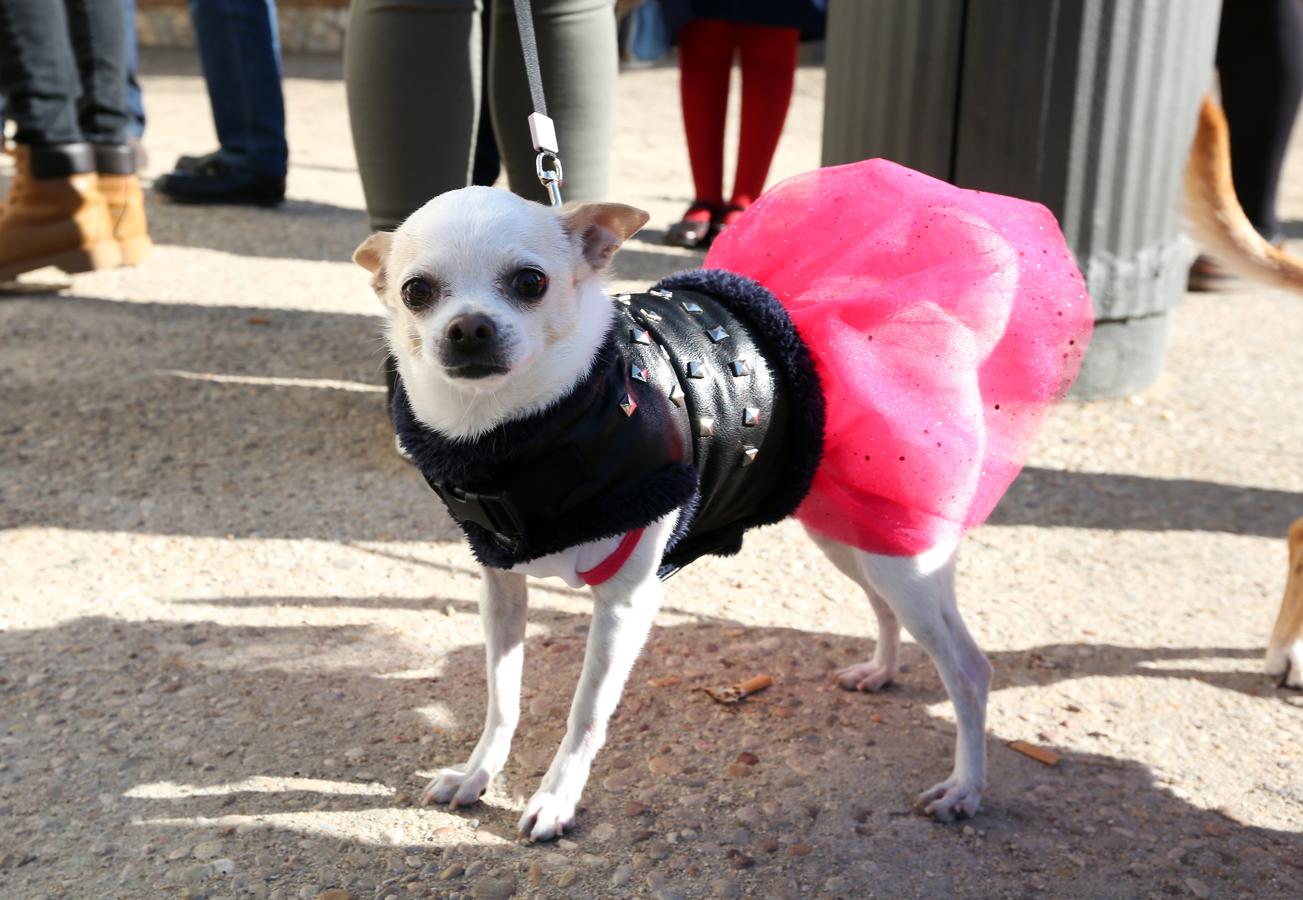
(306,26)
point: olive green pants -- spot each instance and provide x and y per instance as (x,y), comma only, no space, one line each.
(412,71)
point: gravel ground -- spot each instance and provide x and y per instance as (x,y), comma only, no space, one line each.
(237,635)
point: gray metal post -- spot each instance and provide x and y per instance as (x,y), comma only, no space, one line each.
(1087,106)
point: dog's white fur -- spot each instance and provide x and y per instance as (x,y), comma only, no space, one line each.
(466,239)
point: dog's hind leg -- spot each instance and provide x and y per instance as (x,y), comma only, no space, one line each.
(503,601)
(920,590)
(1285,650)
(882,669)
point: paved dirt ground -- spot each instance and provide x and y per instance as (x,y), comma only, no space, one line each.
(237,634)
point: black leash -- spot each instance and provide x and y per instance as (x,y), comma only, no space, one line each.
(547,164)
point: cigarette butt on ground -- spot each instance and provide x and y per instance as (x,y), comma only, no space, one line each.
(1042,755)
(753,685)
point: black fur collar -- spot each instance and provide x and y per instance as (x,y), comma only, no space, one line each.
(576,472)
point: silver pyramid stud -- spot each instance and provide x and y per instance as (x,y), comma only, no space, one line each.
(677,395)
(705,426)
(749,455)
(740,368)
(649,315)
(660,292)
(716,334)
(690,307)
(639,336)
(628,405)
(638,373)
(624,298)
(696,370)
(750,416)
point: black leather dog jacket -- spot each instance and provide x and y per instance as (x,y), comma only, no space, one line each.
(703,397)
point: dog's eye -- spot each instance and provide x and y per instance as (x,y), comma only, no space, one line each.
(418,294)
(529,283)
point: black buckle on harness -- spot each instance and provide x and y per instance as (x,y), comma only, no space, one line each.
(492,511)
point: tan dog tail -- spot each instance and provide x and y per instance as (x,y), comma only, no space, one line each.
(1217,222)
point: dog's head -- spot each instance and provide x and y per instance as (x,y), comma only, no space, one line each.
(485,290)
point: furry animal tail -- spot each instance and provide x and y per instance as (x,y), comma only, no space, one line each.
(1217,222)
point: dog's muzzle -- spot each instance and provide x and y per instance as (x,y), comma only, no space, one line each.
(470,347)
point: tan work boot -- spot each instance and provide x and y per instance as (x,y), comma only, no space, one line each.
(55,214)
(120,186)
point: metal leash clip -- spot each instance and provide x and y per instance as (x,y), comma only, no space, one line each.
(547,165)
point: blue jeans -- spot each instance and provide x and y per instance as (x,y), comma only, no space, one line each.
(135,103)
(239,49)
(63,79)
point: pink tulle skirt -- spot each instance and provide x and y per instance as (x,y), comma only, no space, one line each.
(943,323)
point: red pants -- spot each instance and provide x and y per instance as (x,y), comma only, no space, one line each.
(706,51)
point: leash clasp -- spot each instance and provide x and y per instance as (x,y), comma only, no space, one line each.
(547,165)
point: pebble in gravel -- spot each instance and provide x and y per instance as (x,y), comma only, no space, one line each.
(335,894)
(498,887)
(726,888)
(620,877)
(207,850)
(567,878)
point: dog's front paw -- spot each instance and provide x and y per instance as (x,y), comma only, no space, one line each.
(954,798)
(869,676)
(1286,664)
(547,816)
(457,786)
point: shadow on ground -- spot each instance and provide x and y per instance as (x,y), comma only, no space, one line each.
(137,741)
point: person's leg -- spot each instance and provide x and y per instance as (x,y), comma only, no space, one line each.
(488,162)
(99,42)
(1260,63)
(579,60)
(706,50)
(135,99)
(38,75)
(239,49)
(768,73)
(412,72)
(54,214)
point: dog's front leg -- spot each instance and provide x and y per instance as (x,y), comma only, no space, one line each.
(622,617)
(503,600)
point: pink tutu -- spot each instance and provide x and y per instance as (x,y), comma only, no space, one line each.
(943,323)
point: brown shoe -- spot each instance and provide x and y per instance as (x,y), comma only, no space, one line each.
(55,214)
(120,186)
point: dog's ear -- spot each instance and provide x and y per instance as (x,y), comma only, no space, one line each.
(602,228)
(371,255)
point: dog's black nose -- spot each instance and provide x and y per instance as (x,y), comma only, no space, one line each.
(470,333)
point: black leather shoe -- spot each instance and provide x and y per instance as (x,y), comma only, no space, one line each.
(215,181)
(190,163)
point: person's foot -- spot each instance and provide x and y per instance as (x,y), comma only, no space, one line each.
(187,163)
(697,227)
(214,180)
(733,212)
(55,214)
(120,185)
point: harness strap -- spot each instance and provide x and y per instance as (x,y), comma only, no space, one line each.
(605,570)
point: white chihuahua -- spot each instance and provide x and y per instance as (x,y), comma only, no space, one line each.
(497,319)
